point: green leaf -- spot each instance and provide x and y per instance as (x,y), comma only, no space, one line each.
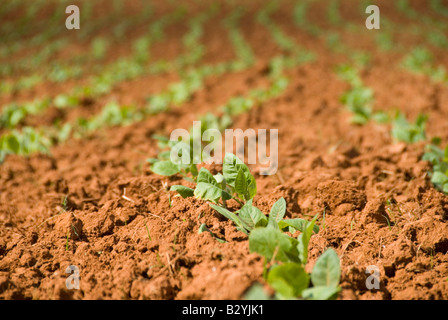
(252,186)
(278,210)
(240,183)
(206,177)
(269,242)
(277,213)
(219,177)
(320,293)
(304,239)
(165,168)
(231,216)
(445,188)
(381,117)
(207,191)
(231,166)
(252,216)
(359,119)
(295,224)
(288,280)
(327,270)
(185,192)
(13,143)
(16,117)
(256,292)
(439,178)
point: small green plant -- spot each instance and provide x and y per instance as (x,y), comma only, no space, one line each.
(439,161)
(385,41)
(289,257)
(403,130)
(23,142)
(11,115)
(419,60)
(112,114)
(99,48)
(359,98)
(236,182)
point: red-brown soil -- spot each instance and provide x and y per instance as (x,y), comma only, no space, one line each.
(380,207)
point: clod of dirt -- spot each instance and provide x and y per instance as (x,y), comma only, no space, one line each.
(100,223)
(68,224)
(2,248)
(4,280)
(157,289)
(340,197)
(375,211)
(27,260)
(432,235)
(400,252)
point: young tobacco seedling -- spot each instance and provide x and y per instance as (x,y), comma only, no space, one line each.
(289,279)
(418,60)
(439,160)
(23,142)
(407,132)
(236,182)
(163,165)
(358,101)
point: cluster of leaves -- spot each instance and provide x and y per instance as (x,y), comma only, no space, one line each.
(420,60)
(236,182)
(177,93)
(267,235)
(11,115)
(163,165)
(25,142)
(334,42)
(23,83)
(289,257)
(14,114)
(439,160)
(385,41)
(403,130)
(59,73)
(99,47)
(112,114)
(359,99)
